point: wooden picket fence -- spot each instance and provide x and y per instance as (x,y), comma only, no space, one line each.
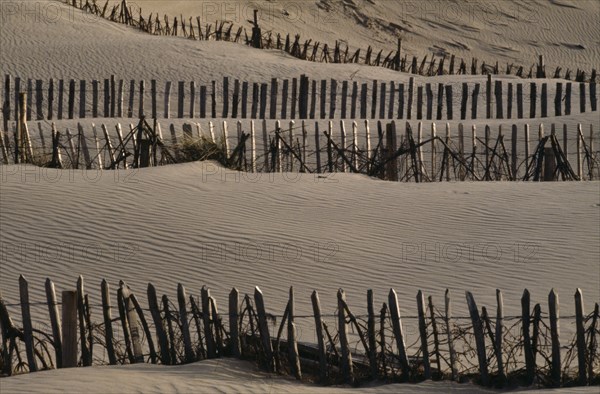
(311,50)
(416,154)
(506,351)
(300,98)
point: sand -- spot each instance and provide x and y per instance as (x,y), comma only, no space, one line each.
(200,224)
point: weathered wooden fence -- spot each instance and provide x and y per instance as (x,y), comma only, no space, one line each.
(524,349)
(311,50)
(298,98)
(418,153)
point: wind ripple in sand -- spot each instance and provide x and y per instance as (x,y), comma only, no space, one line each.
(176,224)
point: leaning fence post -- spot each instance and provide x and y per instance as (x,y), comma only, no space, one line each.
(479,338)
(27,327)
(158,324)
(555,335)
(69,325)
(398,332)
(580,328)
(54,322)
(206,320)
(423,334)
(264,328)
(319,331)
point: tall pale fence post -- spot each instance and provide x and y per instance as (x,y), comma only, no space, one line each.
(27,326)
(69,326)
(555,368)
(580,329)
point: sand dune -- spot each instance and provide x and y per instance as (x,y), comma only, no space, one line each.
(200,224)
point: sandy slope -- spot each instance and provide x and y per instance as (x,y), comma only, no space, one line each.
(215,376)
(31,36)
(565,31)
(201,225)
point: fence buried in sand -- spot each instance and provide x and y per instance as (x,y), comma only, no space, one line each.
(475,346)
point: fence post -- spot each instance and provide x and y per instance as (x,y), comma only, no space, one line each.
(113,96)
(558,100)
(593,97)
(263,100)
(429,98)
(54,322)
(374,99)
(371,333)
(488,97)
(168,99)
(69,326)
(411,87)
(106,314)
(225,97)
(479,338)
(244,100)
(6,103)
(346,355)
(440,101)
(333,98)
(398,332)
(27,327)
(120,90)
(500,334)
(141,103)
(163,343)
(449,102)
(592,351)
(448,310)
(292,343)
(153,97)
(498,92)
(185,328)
(323,99)
(420,103)
(568,89)
(555,333)
(382,98)
(509,103)
(320,340)
(363,101)
(284,98)
(234,300)
(423,334)
(580,328)
(463,101)
(544,99)
(474,99)
(401,101)
(39,99)
(180,99)
(392,100)
(213,99)
(533,97)
(264,329)
(81,312)
(582,97)
(71,103)
(203,101)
